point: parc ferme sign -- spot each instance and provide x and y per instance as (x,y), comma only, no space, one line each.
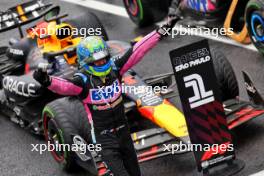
(201,102)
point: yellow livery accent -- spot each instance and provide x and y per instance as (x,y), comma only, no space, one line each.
(20,11)
(168,117)
(135,137)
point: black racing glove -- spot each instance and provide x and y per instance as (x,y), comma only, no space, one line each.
(165,29)
(42,77)
(174,16)
(174,9)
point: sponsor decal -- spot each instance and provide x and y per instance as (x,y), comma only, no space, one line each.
(149,98)
(33,8)
(16,51)
(7,19)
(19,87)
(105,93)
(191,59)
(250,88)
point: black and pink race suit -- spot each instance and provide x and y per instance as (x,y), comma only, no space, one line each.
(105,110)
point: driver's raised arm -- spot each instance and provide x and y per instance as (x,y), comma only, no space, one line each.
(68,87)
(139,50)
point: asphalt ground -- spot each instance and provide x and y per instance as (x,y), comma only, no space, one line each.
(16,157)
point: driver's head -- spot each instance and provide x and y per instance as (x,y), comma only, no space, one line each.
(93,56)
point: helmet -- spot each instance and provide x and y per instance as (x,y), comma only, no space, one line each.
(90,50)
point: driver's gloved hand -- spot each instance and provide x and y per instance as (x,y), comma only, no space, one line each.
(42,77)
(172,19)
(174,8)
(165,29)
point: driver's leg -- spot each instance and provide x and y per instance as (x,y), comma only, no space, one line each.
(128,153)
(111,154)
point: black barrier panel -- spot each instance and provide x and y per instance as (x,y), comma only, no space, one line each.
(202,105)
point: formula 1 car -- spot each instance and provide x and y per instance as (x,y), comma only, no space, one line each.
(244,17)
(50,41)
(62,125)
(53,34)
(63,119)
(24,100)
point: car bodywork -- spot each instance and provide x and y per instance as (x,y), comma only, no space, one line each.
(23,99)
(227,14)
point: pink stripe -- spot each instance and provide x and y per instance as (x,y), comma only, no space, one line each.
(211,6)
(140,49)
(64,87)
(89,114)
(90,119)
(88,99)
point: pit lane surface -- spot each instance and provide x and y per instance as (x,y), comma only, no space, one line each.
(16,157)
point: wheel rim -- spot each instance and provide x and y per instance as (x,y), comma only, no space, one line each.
(53,136)
(257,27)
(132,7)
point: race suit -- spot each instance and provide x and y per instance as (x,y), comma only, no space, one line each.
(105,110)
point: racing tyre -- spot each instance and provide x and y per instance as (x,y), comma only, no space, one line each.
(62,119)
(87,21)
(255,23)
(145,12)
(225,75)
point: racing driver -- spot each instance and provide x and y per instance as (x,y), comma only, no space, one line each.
(98,84)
